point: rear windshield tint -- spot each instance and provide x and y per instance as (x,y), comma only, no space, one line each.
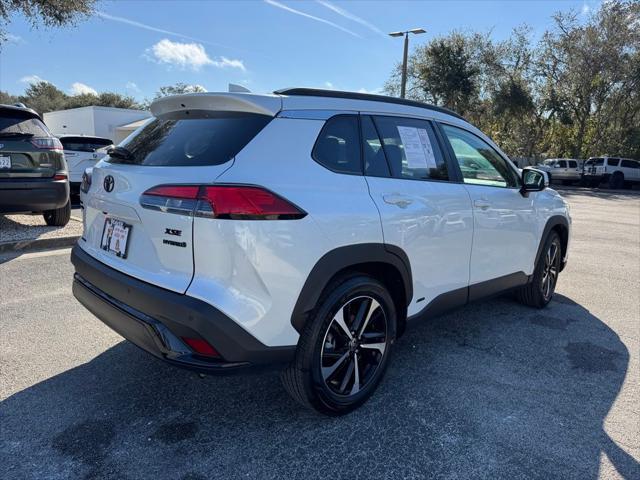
(193,141)
(16,122)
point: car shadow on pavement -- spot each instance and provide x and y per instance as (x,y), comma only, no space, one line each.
(494,390)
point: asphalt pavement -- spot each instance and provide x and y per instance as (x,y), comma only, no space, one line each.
(493,390)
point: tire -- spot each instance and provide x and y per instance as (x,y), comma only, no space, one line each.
(616,180)
(329,359)
(58,217)
(538,293)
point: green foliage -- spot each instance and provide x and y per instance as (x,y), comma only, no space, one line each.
(576,93)
(50,13)
(45,97)
(177,89)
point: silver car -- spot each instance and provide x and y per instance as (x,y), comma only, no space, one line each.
(565,170)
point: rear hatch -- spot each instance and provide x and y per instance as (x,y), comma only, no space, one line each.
(83,152)
(130,224)
(27,148)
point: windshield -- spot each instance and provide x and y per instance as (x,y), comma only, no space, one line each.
(85,144)
(549,162)
(190,142)
(15,122)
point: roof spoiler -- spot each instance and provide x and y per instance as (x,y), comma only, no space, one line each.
(218,102)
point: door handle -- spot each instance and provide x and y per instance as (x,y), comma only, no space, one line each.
(398,200)
(482,204)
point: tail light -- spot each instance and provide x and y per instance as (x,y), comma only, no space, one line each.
(60,176)
(201,347)
(85,185)
(46,143)
(234,202)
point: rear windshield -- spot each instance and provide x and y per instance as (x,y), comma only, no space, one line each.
(16,122)
(81,144)
(193,141)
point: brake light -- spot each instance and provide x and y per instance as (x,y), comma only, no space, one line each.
(46,143)
(60,176)
(237,202)
(201,347)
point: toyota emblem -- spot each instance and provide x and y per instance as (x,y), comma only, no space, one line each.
(109,182)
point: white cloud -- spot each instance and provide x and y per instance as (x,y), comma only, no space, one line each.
(78,88)
(188,55)
(349,16)
(224,62)
(282,6)
(183,55)
(133,86)
(13,39)
(30,79)
(375,91)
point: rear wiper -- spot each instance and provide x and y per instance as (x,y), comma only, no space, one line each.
(121,153)
(15,134)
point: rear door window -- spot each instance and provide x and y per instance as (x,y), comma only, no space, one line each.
(613,162)
(573,164)
(411,148)
(338,145)
(197,141)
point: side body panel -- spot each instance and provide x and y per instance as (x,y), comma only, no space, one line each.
(433,224)
(254,271)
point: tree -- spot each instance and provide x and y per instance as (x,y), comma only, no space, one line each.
(50,13)
(178,88)
(44,97)
(576,93)
(591,79)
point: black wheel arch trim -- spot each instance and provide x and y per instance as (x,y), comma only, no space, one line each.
(552,222)
(343,258)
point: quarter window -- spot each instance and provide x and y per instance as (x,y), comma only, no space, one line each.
(338,145)
(630,164)
(411,148)
(479,162)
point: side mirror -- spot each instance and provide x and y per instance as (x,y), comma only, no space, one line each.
(533,180)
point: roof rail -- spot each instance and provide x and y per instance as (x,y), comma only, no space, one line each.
(317,92)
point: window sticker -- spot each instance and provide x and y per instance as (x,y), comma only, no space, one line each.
(417,147)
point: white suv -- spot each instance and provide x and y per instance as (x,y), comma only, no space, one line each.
(82,152)
(307,228)
(615,172)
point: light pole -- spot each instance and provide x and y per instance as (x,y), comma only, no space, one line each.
(415,31)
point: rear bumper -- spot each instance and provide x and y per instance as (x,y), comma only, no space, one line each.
(32,194)
(154,319)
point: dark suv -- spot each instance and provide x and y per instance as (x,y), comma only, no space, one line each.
(33,172)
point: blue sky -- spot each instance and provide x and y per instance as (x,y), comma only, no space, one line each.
(135,47)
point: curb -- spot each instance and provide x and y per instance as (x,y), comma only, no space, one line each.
(38,244)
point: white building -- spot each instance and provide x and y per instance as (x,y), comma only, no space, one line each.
(107,122)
